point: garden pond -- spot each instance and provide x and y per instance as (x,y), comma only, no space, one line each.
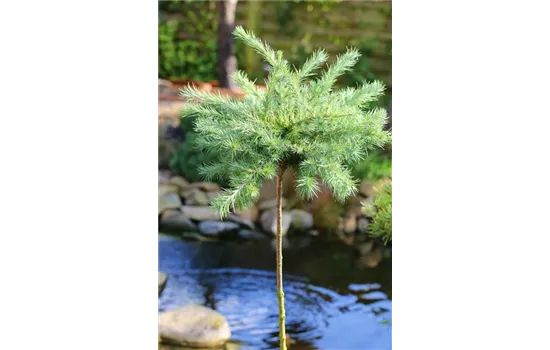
(332,301)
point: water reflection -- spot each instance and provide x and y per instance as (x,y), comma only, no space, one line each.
(233,280)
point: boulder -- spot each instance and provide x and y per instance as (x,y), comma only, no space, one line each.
(168,188)
(366,189)
(212,195)
(180,182)
(193,326)
(195,197)
(268,221)
(301,219)
(362,225)
(350,223)
(164,177)
(200,213)
(270,204)
(214,228)
(240,220)
(174,219)
(251,213)
(169,201)
(250,234)
(206,186)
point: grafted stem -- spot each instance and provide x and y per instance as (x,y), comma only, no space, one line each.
(279,254)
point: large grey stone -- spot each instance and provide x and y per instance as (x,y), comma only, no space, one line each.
(268,221)
(362,225)
(251,213)
(200,213)
(174,219)
(350,223)
(214,228)
(250,234)
(195,197)
(241,220)
(165,189)
(193,326)
(366,188)
(212,195)
(270,203)
(301,219)
(206,186)
(169,201)
(180,182)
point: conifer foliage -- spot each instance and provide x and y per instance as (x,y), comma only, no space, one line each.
(380,211)
(297,122)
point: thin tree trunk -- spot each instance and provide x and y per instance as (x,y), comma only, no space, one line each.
(227,62)
(252,17)
(279,253)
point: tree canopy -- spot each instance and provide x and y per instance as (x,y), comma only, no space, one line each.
(297,122)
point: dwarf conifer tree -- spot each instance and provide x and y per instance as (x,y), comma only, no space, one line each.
(297,122)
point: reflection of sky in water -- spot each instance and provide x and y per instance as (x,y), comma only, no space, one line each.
(247,298)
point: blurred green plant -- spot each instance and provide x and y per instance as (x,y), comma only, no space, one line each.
(380,211)
(188,157)
(187,37)
(364,72)
(378,165)
(326,216)
(177,59)
(187,49)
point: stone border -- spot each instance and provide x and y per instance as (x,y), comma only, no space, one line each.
(184,208)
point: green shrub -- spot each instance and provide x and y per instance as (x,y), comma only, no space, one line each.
(185,58)
(188,158)
(381,214)
(378,165)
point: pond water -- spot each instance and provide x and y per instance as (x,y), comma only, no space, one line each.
(332,301)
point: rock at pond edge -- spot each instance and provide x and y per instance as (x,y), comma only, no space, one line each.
(195,326)
(174,219)
(200,213)
(215,228)
(301,219)
(195,196)
(271,203)
(179,181)
(250,234)
(268,221)
(169,201)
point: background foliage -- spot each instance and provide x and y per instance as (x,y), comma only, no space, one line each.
(381,212)
(188,30)
(189,157)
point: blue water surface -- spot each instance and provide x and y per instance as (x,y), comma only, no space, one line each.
(331,303)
